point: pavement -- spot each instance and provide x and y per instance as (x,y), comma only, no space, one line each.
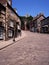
(4,44)
(31,50)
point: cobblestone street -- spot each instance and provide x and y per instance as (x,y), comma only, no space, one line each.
(31,50)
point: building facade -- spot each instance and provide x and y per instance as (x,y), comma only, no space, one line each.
(9,21)
(36,24)
(45,25)
(2,20)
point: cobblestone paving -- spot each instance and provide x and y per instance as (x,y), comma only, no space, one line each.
(32,50)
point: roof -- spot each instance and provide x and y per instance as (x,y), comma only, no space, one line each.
(4,8)
(45,18)
(38,16)
(12,10)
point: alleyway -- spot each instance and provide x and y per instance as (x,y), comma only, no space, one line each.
(31,50)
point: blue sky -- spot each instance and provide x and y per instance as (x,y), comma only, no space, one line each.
(31,7)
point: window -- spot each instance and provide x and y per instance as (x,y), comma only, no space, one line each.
(10,34)
(11,23)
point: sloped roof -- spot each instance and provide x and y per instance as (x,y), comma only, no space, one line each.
(12,10)
(38,16)
(47,18)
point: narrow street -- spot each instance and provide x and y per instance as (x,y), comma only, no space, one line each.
(31,50)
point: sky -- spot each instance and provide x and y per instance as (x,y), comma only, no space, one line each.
(31,7)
